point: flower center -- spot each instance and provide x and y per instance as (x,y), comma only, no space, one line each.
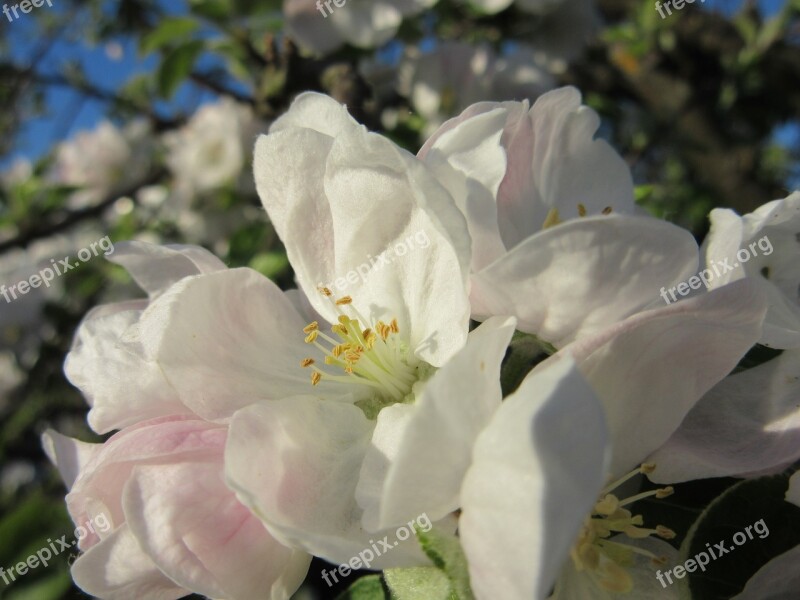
(607,560)
(362,352)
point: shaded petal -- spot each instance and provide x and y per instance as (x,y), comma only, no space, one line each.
(652,368)
(118,569)
(307,26)
(169,508)
(70,456)
(748,423)
(367,23)
(779,579)
(793,493)
(420,452)
(228,339)
(616,266)
(295,463)
(537,470)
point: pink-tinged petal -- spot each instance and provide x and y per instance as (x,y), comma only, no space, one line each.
(652,368)
(107,363)
(118,569)
(229,339)
(555,163)
(68,455)
(188,521)
(155,268)
(295,463)
(584,275)
(420,452)
(98,488)
(779,579)
(748,423)
(537,470)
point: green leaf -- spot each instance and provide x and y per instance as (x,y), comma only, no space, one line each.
(176,66)
(52,587)
(369,587)
(758,504)
(169,31)
(419,583)
(215,10)
(446,553)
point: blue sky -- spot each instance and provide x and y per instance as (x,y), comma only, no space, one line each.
(69,114)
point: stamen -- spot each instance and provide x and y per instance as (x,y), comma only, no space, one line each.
(307,362)
(345,300)
(313,326)
(316,377)
(607,210)
(325,291)
(552,219)
(581,210)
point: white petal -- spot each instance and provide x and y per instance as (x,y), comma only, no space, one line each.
(537,470)
(295,463)
(420,451)
(169,508)
(652,368)
(779,579)
(321,113)
(748,423)
(367,23)
(585,275)
(228,339)
(793,493)
(309,28)
(118,569)
(108,363)
(70,456)
(471,163)
(155,268)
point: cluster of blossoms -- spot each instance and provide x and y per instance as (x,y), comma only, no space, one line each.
(257,427)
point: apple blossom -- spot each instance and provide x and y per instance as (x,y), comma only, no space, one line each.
(763,246)
(174,526)
(320,27)
(561,202)
(535,489)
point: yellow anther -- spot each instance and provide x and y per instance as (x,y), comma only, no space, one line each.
(647,468)
(325,291)
(313,326)
(338,349)
(665,532)
(552,219)
(344,319)
(307,362)
(395,326)
(312,337)
(344,300)
(607,506)
(339,329)
(581,210)
(316,377)
(664,492)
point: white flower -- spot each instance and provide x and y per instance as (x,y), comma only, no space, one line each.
(538,472)
(455,75)
(322,28)
(102,161)
(322,406)
(764,246)
(213,148)
(542,199)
